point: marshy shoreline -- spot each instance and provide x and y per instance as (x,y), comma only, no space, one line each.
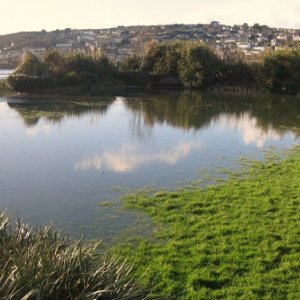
(237,238)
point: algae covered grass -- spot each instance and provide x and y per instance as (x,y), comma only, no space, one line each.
(236,240)
(41,264)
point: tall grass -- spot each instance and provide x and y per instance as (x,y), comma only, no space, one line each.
(32,66)
(42,264)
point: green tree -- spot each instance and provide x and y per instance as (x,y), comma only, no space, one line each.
(165,59)
(279,72)
(198,65)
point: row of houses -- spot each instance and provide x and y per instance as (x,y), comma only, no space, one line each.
(239,42)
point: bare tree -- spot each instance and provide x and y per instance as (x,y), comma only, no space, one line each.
(143,45)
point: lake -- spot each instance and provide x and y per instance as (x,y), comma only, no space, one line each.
(4,73)
(71,161)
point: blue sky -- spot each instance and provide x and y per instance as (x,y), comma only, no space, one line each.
(25,15)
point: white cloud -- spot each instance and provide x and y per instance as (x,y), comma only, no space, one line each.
(39,128)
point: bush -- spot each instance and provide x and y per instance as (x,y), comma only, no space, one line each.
(70,79)
(56,62)
(42,264)
(279,72)
(164,60)
(90,68)
(57,69)
(31,75)
(130,64)
(26,83)
(193,63)
(238,74)
(133,78)
(30,65)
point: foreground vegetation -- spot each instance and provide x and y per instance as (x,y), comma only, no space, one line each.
(4,89)
(239,239)
(41,264)
(188,64)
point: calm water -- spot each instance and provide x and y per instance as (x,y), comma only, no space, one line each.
(4,73)
(59,160)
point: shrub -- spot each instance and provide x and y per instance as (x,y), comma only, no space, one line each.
(198,65)
(193,63)
(31,75)
(130,64)
(58,69)
(279,72)
(69,79)
(238,74)
(164,60)
(56,62)
(42,264)
(25,83)
(30,65)
(90,68)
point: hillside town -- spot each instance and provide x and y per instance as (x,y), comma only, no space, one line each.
(242,43)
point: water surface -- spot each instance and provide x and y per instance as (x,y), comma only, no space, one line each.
(4,73)
(60,159)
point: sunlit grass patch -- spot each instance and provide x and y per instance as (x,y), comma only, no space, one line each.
(239,239)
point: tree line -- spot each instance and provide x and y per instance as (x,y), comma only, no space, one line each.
(194,64)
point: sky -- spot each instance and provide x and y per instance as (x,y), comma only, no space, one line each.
(35,15)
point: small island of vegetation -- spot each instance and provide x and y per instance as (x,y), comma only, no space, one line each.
(190,65)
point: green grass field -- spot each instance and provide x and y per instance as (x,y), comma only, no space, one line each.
(239,239)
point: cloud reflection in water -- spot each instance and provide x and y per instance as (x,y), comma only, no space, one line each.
(129,158)
(250,129)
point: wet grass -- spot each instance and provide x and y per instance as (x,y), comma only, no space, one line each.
(42,264)
(239,239)
(105,204)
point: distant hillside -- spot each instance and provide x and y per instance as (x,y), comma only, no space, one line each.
(32,39)
(27,39)
(231,43)
(44,39)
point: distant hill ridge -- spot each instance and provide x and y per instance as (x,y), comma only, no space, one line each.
(50,39)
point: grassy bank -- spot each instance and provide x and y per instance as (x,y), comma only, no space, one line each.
(41,264)
(236,240)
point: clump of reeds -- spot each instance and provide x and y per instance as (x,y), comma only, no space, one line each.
(43,264)
(31,65)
